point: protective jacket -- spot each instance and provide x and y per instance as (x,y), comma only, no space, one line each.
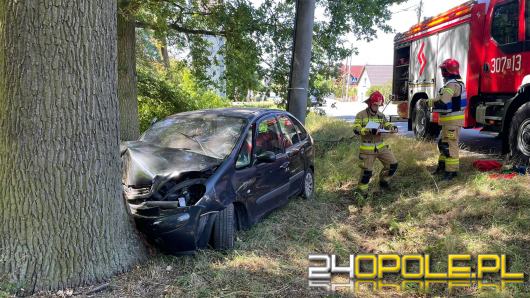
(451,103)
(370,143)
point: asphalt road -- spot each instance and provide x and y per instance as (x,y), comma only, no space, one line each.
(470,139)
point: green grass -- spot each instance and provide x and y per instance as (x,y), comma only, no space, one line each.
(420,215)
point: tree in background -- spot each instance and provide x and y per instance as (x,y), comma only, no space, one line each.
(63,221)
(258,46)
(183,25)
(362,18)
(320,87)
(165,88)
(385,89)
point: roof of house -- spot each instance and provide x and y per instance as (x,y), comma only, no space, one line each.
(355,70)
(378,74)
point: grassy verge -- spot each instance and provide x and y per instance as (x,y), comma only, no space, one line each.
(420,215)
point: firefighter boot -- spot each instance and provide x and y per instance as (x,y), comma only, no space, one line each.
(440,169)
(448,176)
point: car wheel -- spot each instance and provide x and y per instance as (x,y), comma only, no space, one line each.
(520,135)
(309,185)
(224,229)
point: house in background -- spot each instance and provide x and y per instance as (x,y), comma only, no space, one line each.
(349,78)
(373,75)
(352,76)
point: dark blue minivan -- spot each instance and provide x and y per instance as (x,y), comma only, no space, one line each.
(194,178)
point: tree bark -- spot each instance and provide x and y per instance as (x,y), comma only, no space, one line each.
(127,87)
(63,222)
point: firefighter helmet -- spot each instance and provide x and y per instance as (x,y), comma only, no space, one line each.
(375,98)
(450,67)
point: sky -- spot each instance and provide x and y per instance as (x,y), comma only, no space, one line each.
(379,51)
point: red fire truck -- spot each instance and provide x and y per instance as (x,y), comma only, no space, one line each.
(491,40)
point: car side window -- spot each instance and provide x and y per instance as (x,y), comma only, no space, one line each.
(505,24)
(245,153)
(268,136)
(301,131)
(289,133)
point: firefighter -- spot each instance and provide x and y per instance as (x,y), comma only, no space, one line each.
(450,103)
(372,146)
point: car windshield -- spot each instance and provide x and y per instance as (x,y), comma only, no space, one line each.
(207,134)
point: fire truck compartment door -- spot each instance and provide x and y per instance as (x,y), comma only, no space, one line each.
(423,66)
(454,44)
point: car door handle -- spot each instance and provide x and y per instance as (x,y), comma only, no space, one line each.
(285,165)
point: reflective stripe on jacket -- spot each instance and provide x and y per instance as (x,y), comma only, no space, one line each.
(370,142)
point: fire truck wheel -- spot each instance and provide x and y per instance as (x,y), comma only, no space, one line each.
(423,128)
(520,135)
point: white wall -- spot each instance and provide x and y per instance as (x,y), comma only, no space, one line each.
(363,86)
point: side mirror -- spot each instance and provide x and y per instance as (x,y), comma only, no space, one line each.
(266,157)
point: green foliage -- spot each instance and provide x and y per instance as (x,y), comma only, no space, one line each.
(339,90)
(386,90)
(186,26)
(258,43)
(164,92)
(360,18)
(320,87)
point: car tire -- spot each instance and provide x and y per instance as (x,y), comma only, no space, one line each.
(423,128)
(224,229)
(519,138)
(308,186)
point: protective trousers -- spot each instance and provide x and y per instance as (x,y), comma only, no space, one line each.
(448,147)
(367,160)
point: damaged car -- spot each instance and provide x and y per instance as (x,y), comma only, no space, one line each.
(194,178)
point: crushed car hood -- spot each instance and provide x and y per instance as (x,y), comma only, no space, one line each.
(143,161)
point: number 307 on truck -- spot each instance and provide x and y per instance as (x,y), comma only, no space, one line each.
(491,40)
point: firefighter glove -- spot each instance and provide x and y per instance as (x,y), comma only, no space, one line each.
(364,131)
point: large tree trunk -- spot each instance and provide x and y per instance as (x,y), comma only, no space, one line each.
(63,222)
(127,91)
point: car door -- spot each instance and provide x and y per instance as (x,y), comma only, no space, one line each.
(244,177)
(270,178)
(294,148)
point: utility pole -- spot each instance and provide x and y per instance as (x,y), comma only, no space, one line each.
(301,59)
(420,11)
(343,80)
(348,79)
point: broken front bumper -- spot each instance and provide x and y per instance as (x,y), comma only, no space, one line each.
(173,230)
